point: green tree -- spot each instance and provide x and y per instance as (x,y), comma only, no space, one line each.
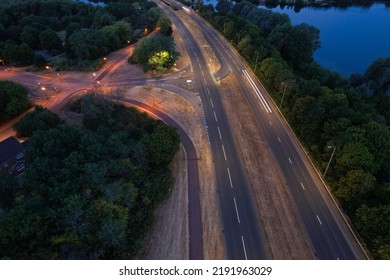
(149,47)
(162,144)
(374,225)
(30,36)
(354,187)
(165,25)
(88,44)
(39,119)
(51,41)
(13,100)
(7,192)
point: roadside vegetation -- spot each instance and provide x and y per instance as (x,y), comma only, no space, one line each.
(70,34)
(13,100)
(349,116)
(88,192)
(158,52)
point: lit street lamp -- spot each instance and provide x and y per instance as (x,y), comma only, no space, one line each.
(284,92)
(330,160)
(44,91)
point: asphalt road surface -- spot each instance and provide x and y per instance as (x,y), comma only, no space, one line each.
(242,233)
(329,237)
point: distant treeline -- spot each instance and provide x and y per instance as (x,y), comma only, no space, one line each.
(89,192)
(326,110)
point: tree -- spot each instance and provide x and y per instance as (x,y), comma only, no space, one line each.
(18,54)
(164,47)
(296,44)
(162,144)
(7,192)
(30,36)
(165,25)
(161,61)
(356,156)
(374,225)
(308,115)
(102,19)
(88,44)
(13,100)
(354,187)
(224,6)
(39,119)
(51,41)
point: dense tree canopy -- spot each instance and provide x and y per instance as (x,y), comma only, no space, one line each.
(87,194)
(31,25)
(13,100)
(156,53)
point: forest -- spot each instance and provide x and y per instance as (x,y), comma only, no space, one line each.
(70,34)
(329,113)
(90,188)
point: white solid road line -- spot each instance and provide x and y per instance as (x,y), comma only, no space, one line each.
(230,178)
(235,205)
(219,132)
(259,94)
(215,116)
(303,187)
(319,220)
(224,154)
(289,159)
(211,101)
(243,246)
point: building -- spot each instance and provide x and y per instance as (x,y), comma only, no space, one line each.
(12,157)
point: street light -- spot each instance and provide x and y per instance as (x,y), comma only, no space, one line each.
(44,91)
(284,92)
(330,160)
(257,59)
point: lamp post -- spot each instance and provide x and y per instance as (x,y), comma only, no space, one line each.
(284,92)
(330,160)
(257,60)
(44,91)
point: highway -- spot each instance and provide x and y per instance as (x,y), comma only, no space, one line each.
(329,237)
(242,233)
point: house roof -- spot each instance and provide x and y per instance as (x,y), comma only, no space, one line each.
(9,148)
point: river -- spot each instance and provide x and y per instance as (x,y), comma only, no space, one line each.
(351,38)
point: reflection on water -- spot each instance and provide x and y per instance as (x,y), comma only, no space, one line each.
(352,37)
